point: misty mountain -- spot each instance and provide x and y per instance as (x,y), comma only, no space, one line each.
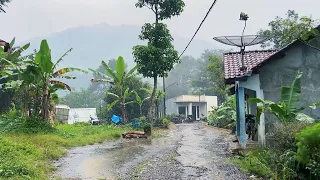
(91,44)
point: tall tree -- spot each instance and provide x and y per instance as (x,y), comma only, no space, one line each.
(286,30)
(216,76)
(2,4)
(202,83)
(117,78)
(158,57)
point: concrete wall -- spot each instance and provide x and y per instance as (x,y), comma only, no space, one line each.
(253,84)
(212,101)
(171,107)
(281,72)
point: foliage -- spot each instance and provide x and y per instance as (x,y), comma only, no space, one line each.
(180,76)
(208,76)
(145,125)
(158,56)
(287,109)
(284,136)
(284,31)
(34,81)
(223,115)
(82,99)
(29,155)
(284,158)
(308,152)
(2,4)
(158,98)
(216,75)
(117,78)
(133,111)
(165,122)
(269,164)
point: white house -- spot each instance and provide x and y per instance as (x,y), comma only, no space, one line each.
(81,115)
(197,106)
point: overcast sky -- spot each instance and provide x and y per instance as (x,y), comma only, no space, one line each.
(26,19)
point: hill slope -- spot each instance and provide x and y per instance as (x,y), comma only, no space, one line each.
(91,44)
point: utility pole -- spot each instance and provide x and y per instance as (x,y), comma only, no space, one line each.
(164,97)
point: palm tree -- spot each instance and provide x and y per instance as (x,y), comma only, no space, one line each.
(117,78)
(2,4)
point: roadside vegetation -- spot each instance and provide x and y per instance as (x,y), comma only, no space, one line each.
(27,148)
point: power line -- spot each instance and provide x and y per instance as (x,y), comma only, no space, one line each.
(214,2)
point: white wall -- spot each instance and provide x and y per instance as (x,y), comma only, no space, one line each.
(205,106)
(212,101)
(81,115)
(253,83)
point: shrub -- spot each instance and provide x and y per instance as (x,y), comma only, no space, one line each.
(284,136)
(269,164)
(165,123)
(224,115)
(308,152)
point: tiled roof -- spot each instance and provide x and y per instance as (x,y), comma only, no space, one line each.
(232,62)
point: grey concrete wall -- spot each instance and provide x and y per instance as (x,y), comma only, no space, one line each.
(281,72)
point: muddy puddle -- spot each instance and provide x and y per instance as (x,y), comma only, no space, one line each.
(109,160)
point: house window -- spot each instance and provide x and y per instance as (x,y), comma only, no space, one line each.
(182,110)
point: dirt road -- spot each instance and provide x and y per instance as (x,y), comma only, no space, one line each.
(190,151)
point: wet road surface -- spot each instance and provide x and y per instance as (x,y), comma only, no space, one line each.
(190,151)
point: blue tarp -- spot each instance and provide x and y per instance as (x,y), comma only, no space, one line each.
(116,119)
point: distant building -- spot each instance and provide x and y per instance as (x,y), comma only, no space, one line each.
(81,115)
(197,106)
(67,115)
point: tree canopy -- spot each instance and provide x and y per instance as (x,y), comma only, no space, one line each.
(158,56)
(286,30)
(3,3)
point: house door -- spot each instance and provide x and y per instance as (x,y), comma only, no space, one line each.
(194,112)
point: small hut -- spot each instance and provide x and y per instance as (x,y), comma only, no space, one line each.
(62,113)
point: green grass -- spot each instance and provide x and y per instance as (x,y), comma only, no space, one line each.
(25,155)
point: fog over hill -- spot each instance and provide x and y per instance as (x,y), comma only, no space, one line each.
(91,44)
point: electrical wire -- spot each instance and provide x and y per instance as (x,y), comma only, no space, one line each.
(214,2)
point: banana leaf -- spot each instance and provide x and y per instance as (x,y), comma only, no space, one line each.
(291,95)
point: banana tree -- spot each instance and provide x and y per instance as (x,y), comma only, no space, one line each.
(116,78)
(48,77)
(140,101)
(287,109)
(122,100)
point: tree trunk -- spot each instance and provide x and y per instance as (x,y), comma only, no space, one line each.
(123,112)
(140,110)
(151,102)
(45,103)
(52,113)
